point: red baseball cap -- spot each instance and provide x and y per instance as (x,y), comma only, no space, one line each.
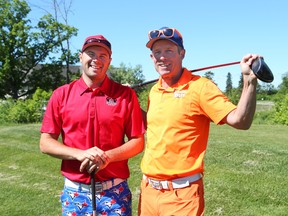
(97,40)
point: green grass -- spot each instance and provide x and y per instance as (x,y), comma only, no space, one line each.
(246,172)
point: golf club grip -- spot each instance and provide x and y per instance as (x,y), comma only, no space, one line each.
(93,192)
(195,70)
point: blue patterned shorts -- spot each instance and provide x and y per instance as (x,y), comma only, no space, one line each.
(115,201)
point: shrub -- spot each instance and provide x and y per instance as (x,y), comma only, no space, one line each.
(281,107)
(264,117)
(5,107)
(24,110)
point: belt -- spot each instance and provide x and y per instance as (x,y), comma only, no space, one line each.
(173,184)
(99,186)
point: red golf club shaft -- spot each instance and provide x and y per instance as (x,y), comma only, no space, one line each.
(195,70)
(215,66)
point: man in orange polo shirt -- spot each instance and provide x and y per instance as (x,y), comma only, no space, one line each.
(181,107)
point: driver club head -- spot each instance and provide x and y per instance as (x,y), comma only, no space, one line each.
(262,71)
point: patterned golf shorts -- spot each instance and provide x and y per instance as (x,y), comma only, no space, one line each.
(114,201)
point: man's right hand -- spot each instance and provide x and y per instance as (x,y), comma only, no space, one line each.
(95,159)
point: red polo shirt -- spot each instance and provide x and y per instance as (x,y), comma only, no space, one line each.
(87,118)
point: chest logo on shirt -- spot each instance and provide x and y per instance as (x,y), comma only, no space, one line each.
(111,101)
(179,94)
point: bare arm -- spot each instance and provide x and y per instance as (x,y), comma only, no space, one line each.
(131,148)
(50,145)
(242,116)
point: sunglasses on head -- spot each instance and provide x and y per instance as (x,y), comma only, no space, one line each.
(167,32)
(93,40)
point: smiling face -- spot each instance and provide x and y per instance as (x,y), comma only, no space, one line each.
(95,62)
(167,58)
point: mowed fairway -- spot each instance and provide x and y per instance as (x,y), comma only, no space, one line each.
(246,172)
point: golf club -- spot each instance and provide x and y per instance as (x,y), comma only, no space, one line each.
(262,71)
(259,68)
(93,192)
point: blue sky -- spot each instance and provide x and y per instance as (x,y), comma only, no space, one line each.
(214,32)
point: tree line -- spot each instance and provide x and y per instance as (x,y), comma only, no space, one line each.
(36,58)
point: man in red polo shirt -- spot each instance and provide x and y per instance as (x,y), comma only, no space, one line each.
(181,107)
(93,115)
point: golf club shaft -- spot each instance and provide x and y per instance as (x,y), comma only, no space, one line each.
(93,192)
(195,70)
(215,66)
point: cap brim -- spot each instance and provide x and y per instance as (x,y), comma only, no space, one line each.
(97,44)
(152,41)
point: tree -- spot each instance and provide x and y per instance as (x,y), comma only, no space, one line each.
(60,12)
(23,47)
(281,102)
(281,108)
(210,75)
(240,83)
(229,85)
(283,87)
(66,54)
(124,74)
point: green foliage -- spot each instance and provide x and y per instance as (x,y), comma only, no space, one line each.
(23,47)
(131,76)
(74,76)
(143,98)
(281,102)
(14,30)
(265,91)
(229,84)
(24,111)
(41,96)
(5,107)
(53,76)
(234,95)
(124,74)
(264,117)
(240,83)
(210,75)
(281,115)
(283,87)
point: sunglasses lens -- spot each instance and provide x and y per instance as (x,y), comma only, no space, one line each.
(168,32)
(154,34)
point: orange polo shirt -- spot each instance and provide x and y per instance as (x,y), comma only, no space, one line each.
(178,121)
